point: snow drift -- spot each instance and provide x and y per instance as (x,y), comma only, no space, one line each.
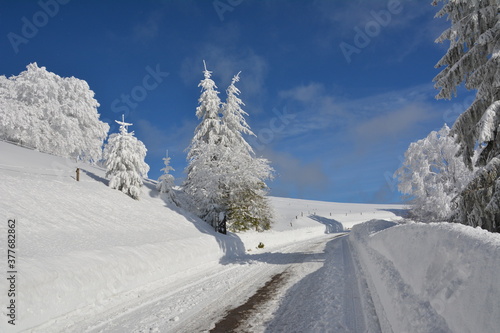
(436,277)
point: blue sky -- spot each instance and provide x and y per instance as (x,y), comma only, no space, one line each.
(336,90)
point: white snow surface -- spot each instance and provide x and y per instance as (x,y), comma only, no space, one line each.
(436,277)
(91,259)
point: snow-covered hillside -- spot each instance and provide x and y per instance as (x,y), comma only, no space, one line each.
(82,244)
(90,258)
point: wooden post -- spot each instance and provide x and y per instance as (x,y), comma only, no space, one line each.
(77,174)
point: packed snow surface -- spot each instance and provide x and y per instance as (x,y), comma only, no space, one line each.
(92,259)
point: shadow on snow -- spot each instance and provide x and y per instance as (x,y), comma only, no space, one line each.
(233,247)
(230,244)
(332,226)
(404,213)
(95,177)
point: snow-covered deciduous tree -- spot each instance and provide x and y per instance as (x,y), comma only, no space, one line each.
(166,182)
(52,114)
(124,160)
(432,175)
(473,58)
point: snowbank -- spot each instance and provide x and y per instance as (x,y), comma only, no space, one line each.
(436,277)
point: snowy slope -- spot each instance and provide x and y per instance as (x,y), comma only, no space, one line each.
(80,242)
(83,248)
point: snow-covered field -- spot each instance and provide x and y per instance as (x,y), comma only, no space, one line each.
(90,258)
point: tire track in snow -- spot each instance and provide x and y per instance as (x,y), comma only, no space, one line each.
(234,318)
(325,299)
(353,308)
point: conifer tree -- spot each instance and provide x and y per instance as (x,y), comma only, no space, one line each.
(234,124)
(224,174)
(473,58)
(245,174)
(166,182)
(125,166)
(203,179)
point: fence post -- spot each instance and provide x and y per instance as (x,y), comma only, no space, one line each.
(77,174)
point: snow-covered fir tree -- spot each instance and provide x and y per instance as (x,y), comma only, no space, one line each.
(52,114)
(223,174)
(124,160)
(245,174)
(234,124)
(208,110)
(245,201)
(203,182)
(473,58)
(166,182)
(432,176)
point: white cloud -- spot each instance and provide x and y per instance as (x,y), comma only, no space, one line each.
(296,177)
(322,119)
(391,125)
(313,106)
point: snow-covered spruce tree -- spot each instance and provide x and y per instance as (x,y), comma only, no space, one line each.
(433,175)
(166,182)
(473,58)
(234,124)
(244,175)
(124,160)
(203,181)
(246,204)
(223,174)
(52,114)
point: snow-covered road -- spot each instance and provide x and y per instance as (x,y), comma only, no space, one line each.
(318,291)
